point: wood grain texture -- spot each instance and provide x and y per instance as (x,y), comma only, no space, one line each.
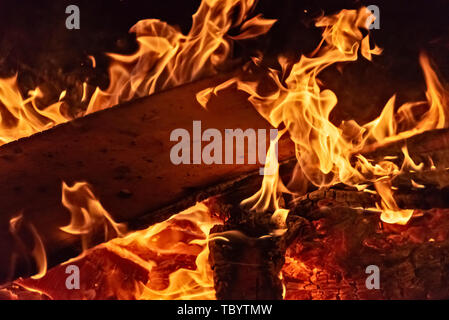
(123,152)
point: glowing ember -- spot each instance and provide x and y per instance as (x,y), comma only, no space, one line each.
(331,262)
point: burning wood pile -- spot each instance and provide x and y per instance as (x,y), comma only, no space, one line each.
(196,176)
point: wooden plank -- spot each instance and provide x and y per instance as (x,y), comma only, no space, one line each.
(123,152)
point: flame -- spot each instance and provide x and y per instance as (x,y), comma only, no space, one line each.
(390,212)
(267,197)
(408,162)
(165,58)
(184,234)
(87,213)
(38,250)
(22,117)
(174,254)
(326,152)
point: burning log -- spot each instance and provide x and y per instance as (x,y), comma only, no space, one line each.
(245,258)
(333,236)
(124,153)
(261,268)
(422,199)
(323,254)
(330,242)
(426,142)
(345,236)
(429,148)
(167,260)
(326,250)
(246,267)
(129,257)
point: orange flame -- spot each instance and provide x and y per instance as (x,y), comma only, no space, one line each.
(186,233)
(165,58)
(22,117)
(325,152)
(267,198)
(87,213)
(38,251)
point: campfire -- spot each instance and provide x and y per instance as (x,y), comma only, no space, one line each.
(201,172)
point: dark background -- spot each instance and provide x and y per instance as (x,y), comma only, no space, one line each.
(35,43)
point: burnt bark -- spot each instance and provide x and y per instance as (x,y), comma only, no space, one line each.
(246,267)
